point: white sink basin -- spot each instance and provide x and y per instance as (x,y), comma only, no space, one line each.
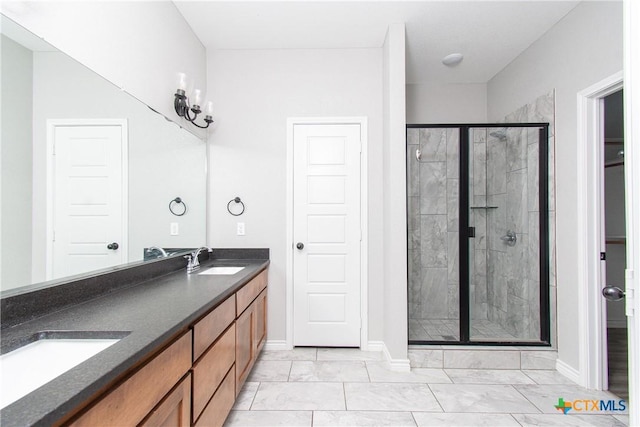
(222,270)
(33,365)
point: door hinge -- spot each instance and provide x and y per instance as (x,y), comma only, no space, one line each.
(54,235)
(472,232)
(630,293)
(603,256)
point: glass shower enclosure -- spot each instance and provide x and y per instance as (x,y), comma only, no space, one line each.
(478,234)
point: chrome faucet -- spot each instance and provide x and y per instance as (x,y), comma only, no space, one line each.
(193,264)
(151,249)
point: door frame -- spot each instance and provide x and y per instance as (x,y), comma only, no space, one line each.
(291,122)
(52,124)
(631,33)
(592,313)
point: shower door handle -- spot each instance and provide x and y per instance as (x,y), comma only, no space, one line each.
(612,293)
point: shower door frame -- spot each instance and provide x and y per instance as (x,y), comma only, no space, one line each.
(465,235)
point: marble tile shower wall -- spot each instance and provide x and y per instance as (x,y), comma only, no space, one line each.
(512,284)
(433,223)
(540,110)
(505,280)
(512,274)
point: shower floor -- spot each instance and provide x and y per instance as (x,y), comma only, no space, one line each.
(448,330)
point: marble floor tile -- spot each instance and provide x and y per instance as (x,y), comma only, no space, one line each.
(622,418)
(298,353)
(538,359)
(532,420)
(245,398)
(379,372)
(347,354)
(541,376)
(268,418)
(426,358)
(329,371)
(299,396)
(481,398)
(478,359)
(488,376)
(390,397)
(270,370)
(362,418)
(545,397)
(428,419)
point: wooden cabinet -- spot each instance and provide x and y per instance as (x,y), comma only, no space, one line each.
(130,402)
(251,331)
(245,350)
(195,380)
(209,328)
(261,320)
(175,408)
(212,368)
(220,405)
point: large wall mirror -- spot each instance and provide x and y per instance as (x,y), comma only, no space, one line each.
(86,166)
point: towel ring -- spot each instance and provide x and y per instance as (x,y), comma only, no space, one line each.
(177,201)
(238,201)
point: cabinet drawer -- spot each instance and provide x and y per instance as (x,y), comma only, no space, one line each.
(174,410)
(250,291)
(212,325)
(131,401)
(211,369)
(218,408)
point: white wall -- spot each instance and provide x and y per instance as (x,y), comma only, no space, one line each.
(164,160)
(255,92)
(395,200)
(139,46)
(17,64)
(441,103)
(582,49)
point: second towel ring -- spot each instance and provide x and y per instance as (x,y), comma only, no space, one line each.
(238,201)
(177,201)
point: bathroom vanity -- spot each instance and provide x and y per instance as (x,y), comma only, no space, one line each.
(187,343)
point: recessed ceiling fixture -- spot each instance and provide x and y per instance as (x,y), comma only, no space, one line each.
(452,59)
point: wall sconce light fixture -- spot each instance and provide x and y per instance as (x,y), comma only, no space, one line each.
(184,109)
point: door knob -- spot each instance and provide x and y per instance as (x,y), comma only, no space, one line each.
(300,246)
(613,293)
(113,246)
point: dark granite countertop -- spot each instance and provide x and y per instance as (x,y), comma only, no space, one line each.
(153,313)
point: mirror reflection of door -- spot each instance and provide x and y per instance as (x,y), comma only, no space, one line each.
(614,231)
(86,197)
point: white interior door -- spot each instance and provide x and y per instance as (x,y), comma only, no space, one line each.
(87,198)
(327,235)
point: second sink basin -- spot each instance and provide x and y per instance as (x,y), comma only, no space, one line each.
(222,270)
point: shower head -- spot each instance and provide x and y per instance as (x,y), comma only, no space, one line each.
(501,134)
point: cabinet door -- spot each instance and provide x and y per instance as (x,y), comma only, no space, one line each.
(174,410)
(135,398)
(245,349)
(261,321)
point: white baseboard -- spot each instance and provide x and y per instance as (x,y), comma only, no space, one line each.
(277,345)
(398,365)
(568,371)
(374,346)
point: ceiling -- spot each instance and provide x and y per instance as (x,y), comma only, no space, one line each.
(490,34)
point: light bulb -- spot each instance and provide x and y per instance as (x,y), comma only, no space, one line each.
(197,97)
(182,81)
(208,109)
